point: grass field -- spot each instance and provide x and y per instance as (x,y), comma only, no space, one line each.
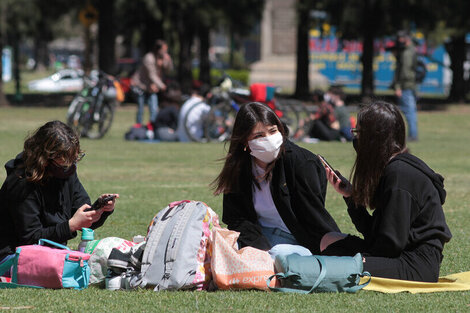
(149,176)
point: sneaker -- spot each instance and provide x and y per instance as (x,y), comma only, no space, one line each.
(118,261)
(113,282)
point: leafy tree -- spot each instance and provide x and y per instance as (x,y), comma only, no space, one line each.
(452,14)
(363,20)
(240,16)
(106,36)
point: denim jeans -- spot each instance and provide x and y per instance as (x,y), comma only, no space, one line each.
(152,100)
(407,104)
(277,236)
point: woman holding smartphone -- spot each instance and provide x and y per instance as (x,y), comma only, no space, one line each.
(273,190)
(405,233)
(42,197)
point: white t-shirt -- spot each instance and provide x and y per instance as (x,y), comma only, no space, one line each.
(268,216)
(194,120)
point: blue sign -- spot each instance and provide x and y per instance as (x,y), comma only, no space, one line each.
(6,64)
(340,62)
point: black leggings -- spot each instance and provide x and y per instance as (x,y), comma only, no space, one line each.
(420,264)
(323,132)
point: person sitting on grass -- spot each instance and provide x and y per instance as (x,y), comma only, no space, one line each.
(42,197)
(273,190)
(192,113)
(404,236)
(322,124)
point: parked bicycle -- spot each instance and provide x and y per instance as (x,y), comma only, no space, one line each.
(229,94)
(91,111)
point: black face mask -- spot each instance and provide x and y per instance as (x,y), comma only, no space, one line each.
(354,143)
(61,173)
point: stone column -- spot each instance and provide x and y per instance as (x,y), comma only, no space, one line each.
(266,30)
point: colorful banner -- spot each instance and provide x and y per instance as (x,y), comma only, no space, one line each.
(340,62)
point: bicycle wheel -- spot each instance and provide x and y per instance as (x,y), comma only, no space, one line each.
(290,114)
(78,115)
(219,122)
(100,121)
(187,126)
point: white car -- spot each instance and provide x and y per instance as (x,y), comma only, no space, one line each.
(66,80)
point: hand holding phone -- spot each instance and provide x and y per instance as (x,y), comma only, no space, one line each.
(327,165)
(344,187)
(101,202)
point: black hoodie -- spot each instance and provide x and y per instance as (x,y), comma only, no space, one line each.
(409,210)
(29,212)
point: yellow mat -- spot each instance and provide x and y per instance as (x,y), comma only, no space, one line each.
(453,282)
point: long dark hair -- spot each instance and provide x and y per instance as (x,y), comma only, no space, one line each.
(51,141)
(381,135)
(238,159)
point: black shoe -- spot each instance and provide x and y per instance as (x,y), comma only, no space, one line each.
(118,261)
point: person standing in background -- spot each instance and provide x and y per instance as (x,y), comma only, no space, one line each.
(404,81)
(148,80)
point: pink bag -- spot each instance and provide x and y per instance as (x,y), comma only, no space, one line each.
(47,267)
(246,268)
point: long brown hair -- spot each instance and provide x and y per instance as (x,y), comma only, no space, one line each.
(51,141)
(381,135)
(238,159)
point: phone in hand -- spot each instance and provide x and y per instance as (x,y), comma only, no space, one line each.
(101,202)
(327,165)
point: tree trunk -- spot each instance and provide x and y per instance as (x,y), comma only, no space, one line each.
(367,83)
(231,59)
(369,26)
(302,80)
(204,63)
(106,37)
(185,36)
(16,68)
(3,100)
(150,33)
(41,53)
(41,38)
(456,50)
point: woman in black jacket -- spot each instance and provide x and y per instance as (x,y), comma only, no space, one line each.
(42,197)
(404,236)
(274,191)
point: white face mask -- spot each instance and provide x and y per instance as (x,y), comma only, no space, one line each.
(266,149)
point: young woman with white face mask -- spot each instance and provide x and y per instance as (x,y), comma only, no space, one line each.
(274,191)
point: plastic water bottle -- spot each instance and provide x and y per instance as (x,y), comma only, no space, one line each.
(87,236)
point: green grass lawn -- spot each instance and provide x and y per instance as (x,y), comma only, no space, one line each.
(149,176)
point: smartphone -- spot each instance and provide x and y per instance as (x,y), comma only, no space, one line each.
(327,165)
(101,202)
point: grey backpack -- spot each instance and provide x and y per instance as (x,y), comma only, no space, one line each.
(174,256)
